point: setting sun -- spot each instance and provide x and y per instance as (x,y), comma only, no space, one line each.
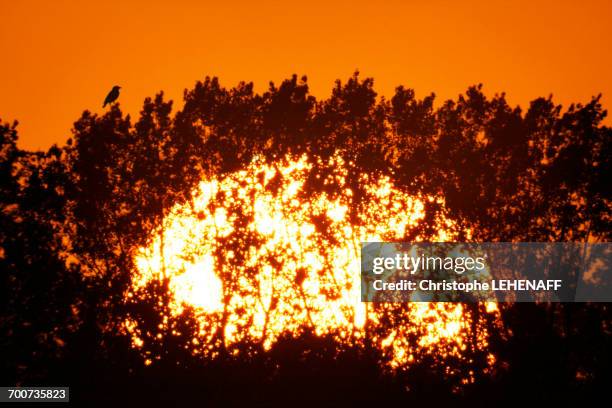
(292,277)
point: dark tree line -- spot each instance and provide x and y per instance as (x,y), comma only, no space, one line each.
(72,216)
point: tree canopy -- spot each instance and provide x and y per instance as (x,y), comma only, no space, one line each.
(73,217)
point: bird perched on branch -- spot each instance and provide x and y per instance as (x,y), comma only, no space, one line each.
(112,95)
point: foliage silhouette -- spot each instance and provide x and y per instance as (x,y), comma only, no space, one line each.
(73,216)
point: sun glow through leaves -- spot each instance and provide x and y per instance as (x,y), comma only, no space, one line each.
(257,255)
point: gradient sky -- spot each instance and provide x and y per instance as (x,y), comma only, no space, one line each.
(61,57)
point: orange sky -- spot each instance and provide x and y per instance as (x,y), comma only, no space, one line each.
(61,57)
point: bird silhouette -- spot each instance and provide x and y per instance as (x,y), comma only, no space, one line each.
(112,95)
